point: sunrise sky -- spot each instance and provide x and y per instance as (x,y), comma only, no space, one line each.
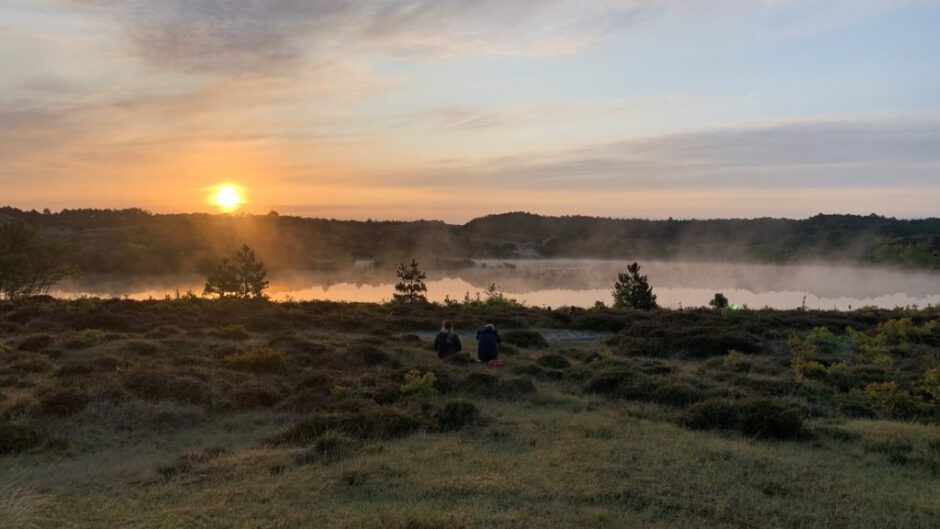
(452,109)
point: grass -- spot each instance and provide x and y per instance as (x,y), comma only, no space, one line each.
(184,414)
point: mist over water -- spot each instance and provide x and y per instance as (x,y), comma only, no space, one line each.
(561,282)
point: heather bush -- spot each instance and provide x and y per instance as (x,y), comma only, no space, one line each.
(258,360)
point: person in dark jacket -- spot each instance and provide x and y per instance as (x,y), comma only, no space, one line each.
(447,342)
(488,341)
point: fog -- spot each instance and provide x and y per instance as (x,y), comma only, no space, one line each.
(561,282)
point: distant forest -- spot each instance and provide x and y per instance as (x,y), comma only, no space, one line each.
(134,241)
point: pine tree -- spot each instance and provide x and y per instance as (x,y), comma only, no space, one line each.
(243,277)
(719,301)
(223,280)
(410,287)
(633,290)
(251,273)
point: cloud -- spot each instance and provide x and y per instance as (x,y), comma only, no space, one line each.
(874,153)
(277,37)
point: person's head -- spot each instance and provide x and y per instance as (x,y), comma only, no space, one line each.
(448,325)
(490,327)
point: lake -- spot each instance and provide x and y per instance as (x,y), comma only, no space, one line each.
(560,282)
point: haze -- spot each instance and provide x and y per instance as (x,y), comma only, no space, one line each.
(452,109)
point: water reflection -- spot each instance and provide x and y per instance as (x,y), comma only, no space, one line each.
(580,283)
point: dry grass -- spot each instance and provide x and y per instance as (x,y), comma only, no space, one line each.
(306,426)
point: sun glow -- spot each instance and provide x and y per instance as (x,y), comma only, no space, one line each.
(227,197)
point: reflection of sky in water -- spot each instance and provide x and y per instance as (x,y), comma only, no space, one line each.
(581,283)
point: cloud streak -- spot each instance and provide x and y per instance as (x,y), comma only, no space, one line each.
(873,153)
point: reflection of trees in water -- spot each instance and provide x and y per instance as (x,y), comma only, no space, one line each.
(525,277)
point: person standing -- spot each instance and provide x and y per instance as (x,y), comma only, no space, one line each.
(447,343)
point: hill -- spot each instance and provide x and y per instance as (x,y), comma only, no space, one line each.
(137,242)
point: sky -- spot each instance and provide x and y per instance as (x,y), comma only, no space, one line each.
(454,109)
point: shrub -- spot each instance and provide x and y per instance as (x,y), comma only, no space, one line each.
(232,332)
(553,361)
(736,361)
(85,338)
(931,383)
(141,347)
(419,385)
(255,396)
(369,355)
(770,419)
(31,365)
(87,366)
(63,402)
(258,360)
(455,415)
(677,394)
(854,404)
(486,385)
(330,446)
(711,414)
(378,423)
(514,387)
(35,343)
(609,379)
(16,438)
(622,381)
(892,401)
(525,338)
(158,385)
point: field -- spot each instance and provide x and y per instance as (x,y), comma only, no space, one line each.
(191,413)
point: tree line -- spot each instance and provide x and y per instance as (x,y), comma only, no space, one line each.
(135,241)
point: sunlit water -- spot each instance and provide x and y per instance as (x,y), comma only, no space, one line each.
(580,283)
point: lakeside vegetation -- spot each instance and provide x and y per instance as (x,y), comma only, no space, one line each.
(133,241)
(246,413)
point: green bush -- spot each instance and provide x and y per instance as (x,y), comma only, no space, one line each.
(892,401)
(35,343)
(232,332)
(63,402)
(525,338)
(553,361)
(711,414)
(255,396)
(258,360)
(158,385)
(330,446)
(418,384)
(765,418)
(456,415)
(677,394)
(16,438)
(379,423)
(610,378)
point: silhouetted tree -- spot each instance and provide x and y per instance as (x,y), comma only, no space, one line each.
(29,265)
(410,287)
(633,290)
(243,277)
(223,281)
(719,301)
(251,273)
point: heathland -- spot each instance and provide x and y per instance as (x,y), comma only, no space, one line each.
(246,413)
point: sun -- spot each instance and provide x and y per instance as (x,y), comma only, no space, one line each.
(227,197)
